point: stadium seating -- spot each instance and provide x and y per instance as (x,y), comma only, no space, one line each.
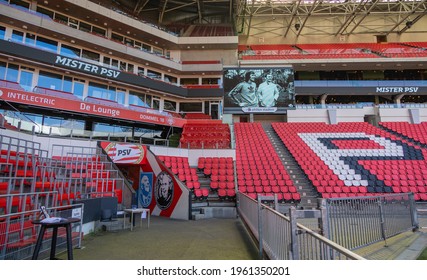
(181,168)
(355,159)
(416,132)
(333,50)
(208,135)
(220,170)
(259,168)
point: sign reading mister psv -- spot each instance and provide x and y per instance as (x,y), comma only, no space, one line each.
(86,67)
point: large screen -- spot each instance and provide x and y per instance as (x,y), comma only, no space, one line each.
(262,90)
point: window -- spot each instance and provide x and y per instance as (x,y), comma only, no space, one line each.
(102,91)
(12,73)
(131,68)
(146,47)
(98,31)
(123,66)
(85,27)
(90,55)
(209,81)
(140,71)
(50,80)
(98,91)
(61,18)
(2,32)
(17,36)
(45,12)
(158,51)
(189,81)
(171,79)
(156,104)
(154,75)
(20,3)
(70,51)
(2,70)
(169,105)
(47,44)
(129,42)
(26,79)
(117,37)
(30,39)
(67,85)
(190,106)
(148,100)
(120,96)
(78,88)
(73,23)
(138,99)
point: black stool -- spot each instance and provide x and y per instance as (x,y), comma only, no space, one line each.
(54,226)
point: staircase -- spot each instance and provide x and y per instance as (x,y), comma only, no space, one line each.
(308,194)
(213,206)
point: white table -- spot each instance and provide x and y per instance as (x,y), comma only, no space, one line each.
(136,211)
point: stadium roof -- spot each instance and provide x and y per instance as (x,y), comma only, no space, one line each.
(344,16)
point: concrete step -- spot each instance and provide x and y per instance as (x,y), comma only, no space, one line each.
(215,212)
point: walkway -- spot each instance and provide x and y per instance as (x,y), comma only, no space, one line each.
(208,239)
(212,239)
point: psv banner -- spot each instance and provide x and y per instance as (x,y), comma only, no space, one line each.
(125,153)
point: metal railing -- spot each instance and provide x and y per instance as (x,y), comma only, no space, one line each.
(281,238)
(357,222)
(18,235)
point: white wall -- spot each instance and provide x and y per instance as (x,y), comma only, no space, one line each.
(192,154)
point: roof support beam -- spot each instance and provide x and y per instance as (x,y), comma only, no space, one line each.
(313,7)
(414,9)
(353,14)
(294,12)
(364,16)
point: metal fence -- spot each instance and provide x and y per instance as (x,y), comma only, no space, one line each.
(357,222)
(18,235)
(281,238)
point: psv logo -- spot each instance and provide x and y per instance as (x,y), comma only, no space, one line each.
(123,152)
(368,159)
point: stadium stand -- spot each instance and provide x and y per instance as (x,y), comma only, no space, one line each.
(259,169)
(355,159)
(207,135)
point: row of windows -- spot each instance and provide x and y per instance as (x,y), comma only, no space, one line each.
(30,78)
(87,27)
(44,122)
(78,53)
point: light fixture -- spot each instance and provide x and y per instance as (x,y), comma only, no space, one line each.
(73,42)
(24,26)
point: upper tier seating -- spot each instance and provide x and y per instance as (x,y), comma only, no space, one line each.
(211,30)
(213,135)
(259,168)
(355,159)
(329,51)
(197,116)
(417,132)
